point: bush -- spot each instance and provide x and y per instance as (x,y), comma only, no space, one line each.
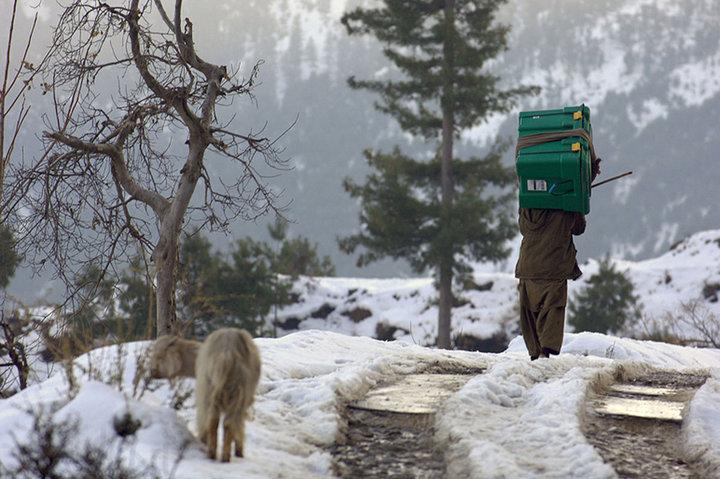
(46,454)
(606,304)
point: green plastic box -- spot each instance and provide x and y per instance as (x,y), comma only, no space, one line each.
(555,175)
(545,121)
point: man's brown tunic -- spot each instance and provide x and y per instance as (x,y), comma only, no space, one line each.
(547,260)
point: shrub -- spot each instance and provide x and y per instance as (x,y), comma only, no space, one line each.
(46,453)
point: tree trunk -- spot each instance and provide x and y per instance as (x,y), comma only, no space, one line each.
(166,269)
(2,153)
(445,306)
(166,255)
(446,181)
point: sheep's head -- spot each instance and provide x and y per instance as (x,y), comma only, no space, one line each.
(165,358)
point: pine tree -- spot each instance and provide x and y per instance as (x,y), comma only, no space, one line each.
(297,256)
(9,258)
(135,300)
(93,314)
(435,213)
(606,304)
(241,289)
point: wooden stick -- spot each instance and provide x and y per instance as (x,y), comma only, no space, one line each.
(611,179)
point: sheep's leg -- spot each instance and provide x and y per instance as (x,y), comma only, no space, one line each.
(240,437)
(211,435)
(228,436)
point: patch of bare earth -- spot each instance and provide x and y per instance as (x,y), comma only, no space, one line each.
(638,447)
(381,444)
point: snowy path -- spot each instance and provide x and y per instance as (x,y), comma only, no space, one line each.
(516,419)
(634,426)
(390,433)
(643,441)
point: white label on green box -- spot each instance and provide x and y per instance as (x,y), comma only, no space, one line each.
(536,185)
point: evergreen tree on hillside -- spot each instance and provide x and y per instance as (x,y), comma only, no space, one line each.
(9,258)
(92,313)
(240,289)
(441,212)
(297,256)
(135,300)
(606,304)
(200,268)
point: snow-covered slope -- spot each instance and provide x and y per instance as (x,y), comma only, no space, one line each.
(648,69)
(486,317)
(307,375)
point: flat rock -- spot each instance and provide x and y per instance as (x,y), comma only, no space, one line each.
(642,408)
(413,394)
(667,393)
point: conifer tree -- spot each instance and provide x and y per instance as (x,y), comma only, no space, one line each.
(9,257)
(241,288)
(606,304)
(437,213)
(135,300)
(297,256)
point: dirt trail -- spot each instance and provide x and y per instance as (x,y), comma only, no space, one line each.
(388,445)
(638,446)
(380,444)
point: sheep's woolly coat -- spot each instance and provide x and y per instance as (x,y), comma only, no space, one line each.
(172,356)
(228,371)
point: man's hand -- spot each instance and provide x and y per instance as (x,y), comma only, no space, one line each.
(595,168)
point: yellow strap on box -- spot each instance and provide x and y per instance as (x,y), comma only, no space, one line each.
(576,147)
(577,115)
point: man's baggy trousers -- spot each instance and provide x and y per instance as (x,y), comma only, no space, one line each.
(542,315)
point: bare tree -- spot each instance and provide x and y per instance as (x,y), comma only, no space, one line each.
(12,346)
(691,323)
(124,166)
(701,326)
(18,73)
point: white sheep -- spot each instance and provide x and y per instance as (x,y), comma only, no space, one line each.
(228,371)
(172,356)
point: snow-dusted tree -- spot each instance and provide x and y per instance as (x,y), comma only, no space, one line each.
(435,213)
(606,304)
(125,164)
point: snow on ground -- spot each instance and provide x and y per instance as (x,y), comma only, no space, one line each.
(406,309)
(656,354)
(519,419)
(26,325)
(304,378)
(522,415)
(523,419)
(403,309)
(701,426)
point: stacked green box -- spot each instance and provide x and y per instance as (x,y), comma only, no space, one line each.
(556,174)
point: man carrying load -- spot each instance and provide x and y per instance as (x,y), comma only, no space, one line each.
(554,155)
(547,260)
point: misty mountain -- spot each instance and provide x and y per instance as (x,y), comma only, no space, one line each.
(648,69)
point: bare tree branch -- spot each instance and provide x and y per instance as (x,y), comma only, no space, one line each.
(122,168)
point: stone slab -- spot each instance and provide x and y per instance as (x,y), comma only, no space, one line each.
(642,408)
(413,393)
(667,393)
